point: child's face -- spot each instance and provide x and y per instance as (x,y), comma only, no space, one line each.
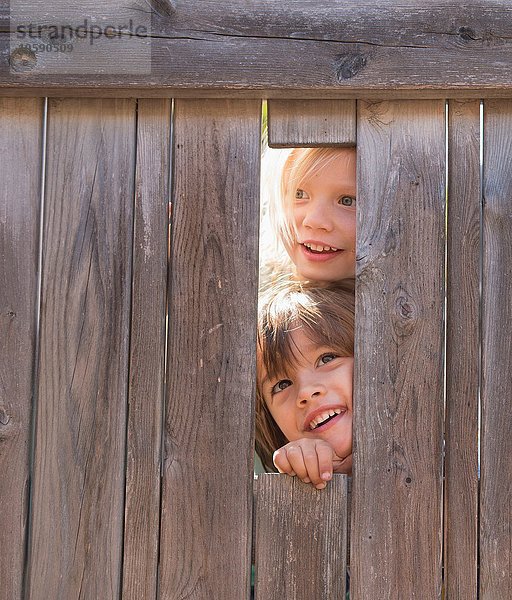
(314,397)
(324,216)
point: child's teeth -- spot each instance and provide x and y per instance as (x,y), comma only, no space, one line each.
(323,416)
(318,248)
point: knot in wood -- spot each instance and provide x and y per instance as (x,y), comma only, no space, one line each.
(163,8)
(347,66)
(404,307)
(22,59)
(404,315)
(466,33)
(4,417)
(7,426)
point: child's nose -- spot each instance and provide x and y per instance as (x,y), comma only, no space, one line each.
(318,217)
(309,393)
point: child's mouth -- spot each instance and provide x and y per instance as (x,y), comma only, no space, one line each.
(320,249)
(325,418)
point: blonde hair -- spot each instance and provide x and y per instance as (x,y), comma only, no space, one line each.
(282,173)
(327,317)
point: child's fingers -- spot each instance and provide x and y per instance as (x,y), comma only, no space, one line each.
(318,460)
(296,460)
(325,462)
(281,462)
(305,464)
(311,460)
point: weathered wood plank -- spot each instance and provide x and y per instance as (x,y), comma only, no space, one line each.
(21,126)
(462,350)
(343,47)
(396,534)
(147,351)
(140,91)
(311,123)
(301,539)
(207,481)
(85,311)
(496,433)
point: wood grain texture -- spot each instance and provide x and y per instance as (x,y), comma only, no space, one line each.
(462,350)
(311,123)
(21,126)
(141,91)
(208,475)
(77,515)
(496,434)
(396,532)
(293,45)
(301,539)
(147,351)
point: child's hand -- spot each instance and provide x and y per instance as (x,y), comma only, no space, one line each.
(312,460)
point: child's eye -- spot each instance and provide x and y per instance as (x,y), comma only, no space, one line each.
(327,358)
(346,200)
(300,194)
(280,386)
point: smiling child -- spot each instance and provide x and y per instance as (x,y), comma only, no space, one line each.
(304,392)
(312,211)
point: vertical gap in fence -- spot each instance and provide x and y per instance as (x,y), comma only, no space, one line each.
(445,341)
(496,391)
(170,183)
(289,513)
(480,370)
(147,350)
(207,480)
(462,350)
(21,145)
(396,534)
(37,316)
(85,300)
(127,495)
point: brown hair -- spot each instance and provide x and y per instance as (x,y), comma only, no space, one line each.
(326,315)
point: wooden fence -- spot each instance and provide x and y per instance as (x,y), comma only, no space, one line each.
(126,439)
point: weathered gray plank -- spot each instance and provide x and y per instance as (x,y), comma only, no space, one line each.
(496,434)
(207,480)
(462,350)
(396,529)
(77,515)
(311,123)
(153,91)
(343,46)
(147,351)
(21,125)
(301,539)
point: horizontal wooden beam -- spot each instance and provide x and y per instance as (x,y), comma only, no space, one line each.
(294,48)
(311,123)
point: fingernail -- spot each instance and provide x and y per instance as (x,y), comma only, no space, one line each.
(326,476)
(306,480)
(320,486)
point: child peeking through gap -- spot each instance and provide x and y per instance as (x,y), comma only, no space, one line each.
(305,358)
(309,215)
